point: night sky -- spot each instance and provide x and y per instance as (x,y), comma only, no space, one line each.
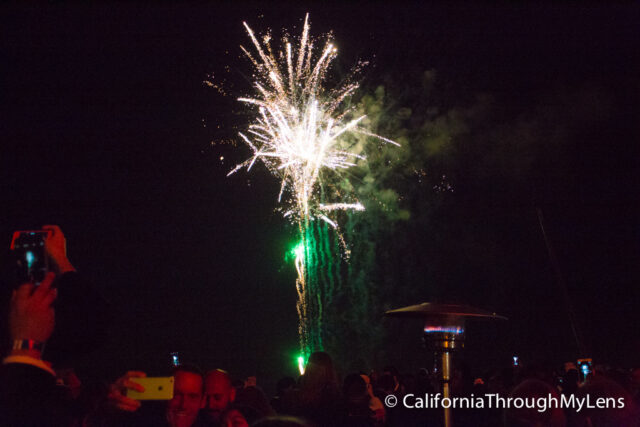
(109,131)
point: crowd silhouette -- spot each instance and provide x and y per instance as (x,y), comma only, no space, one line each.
(39,387)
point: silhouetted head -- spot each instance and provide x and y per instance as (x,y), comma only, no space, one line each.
(604,389)
(284,385)
(219,393)
(319,379)
(534,389)
(254,397)
(354,388)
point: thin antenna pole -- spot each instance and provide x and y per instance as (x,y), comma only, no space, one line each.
(562,283)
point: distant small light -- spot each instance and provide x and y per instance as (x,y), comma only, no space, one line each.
(221,158)
(301,365)
(30,258)
(175,359)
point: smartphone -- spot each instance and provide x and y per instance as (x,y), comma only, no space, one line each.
(155,388)
(175,359)
(585,367)
(31,259)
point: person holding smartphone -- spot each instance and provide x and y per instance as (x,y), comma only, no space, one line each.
(182,410)
(28,391)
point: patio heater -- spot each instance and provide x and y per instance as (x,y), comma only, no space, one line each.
(444,334)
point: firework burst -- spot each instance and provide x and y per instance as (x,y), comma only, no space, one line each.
(297,129)
(296,133)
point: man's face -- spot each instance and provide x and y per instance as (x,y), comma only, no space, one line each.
(218,394)
(182,410)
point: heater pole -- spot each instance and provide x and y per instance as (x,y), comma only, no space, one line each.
(443,334)
(446,386)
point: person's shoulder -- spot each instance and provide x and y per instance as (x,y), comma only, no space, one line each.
(29,396)
(23,382)
(23,372)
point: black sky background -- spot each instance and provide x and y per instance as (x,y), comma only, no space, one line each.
(106,129)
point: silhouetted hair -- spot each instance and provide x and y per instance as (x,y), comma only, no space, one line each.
(354,387)
(391,370)
(255,398)
(319,384)
(221,374)
(385,382)
(520,417)
(284,383)
(187,367)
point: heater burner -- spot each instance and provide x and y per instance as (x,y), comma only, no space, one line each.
(444,334)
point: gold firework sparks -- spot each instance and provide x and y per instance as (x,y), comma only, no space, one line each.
(298,123)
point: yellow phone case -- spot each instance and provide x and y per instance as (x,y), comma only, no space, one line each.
(155,388)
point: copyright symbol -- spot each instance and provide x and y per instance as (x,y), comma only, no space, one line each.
(391,401)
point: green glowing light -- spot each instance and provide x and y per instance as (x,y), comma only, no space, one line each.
(298,251)
(301,364)
(295,252)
